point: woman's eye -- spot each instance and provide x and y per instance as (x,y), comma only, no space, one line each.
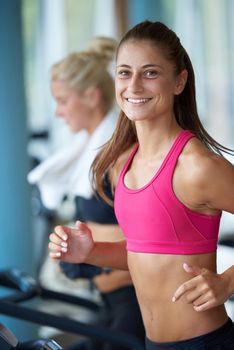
(62,101)
(123,73)
(151,73)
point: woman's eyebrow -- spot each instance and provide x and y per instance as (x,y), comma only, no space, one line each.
(144,66)
(152,65)
(123,65)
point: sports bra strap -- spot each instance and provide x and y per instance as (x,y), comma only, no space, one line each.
(177,148)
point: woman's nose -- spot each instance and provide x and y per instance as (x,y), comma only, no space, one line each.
(59,111)
(135,83)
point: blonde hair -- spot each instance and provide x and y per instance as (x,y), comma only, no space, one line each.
(89,68)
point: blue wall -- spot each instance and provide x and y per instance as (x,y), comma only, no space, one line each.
(141,10)
(15,211)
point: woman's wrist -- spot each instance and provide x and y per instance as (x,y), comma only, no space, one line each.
(229,277)
(90,259)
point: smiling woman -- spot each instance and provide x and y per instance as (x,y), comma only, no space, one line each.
(171,185)
(149,81)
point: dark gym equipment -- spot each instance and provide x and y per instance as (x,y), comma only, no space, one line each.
(8,341)
(26,288)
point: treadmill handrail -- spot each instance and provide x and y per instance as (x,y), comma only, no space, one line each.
(40,317)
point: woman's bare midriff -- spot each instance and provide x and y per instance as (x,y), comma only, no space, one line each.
(156,277)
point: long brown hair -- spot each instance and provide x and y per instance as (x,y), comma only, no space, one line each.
(185,107)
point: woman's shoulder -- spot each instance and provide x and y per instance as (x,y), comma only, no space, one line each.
(201,174)
(198,157)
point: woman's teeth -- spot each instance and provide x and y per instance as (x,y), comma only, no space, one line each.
(138,100)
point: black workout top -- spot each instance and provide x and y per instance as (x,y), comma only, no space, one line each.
(95,209)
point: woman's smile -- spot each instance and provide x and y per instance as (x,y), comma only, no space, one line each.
(138,101)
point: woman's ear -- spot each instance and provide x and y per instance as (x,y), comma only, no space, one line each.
(181,81)
(93,95)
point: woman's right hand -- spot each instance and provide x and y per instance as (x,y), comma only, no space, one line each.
(71,244)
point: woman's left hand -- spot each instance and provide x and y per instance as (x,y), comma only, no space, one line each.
(205,290)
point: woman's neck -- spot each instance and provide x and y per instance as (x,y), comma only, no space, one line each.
(154,138)
(97,117)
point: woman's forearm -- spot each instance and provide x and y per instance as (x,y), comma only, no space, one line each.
(113,255)
(105,232)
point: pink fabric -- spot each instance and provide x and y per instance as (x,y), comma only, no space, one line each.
(152,218)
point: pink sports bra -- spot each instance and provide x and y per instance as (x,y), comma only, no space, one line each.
(152,218)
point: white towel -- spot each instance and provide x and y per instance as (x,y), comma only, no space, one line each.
(67,171)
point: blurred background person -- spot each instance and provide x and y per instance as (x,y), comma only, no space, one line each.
(83,88)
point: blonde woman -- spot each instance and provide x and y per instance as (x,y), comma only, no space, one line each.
(83,88)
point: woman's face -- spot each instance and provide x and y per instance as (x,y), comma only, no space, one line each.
(72,106)
(145,81)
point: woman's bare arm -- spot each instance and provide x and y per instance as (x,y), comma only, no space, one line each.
(105,232)
(212,189)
